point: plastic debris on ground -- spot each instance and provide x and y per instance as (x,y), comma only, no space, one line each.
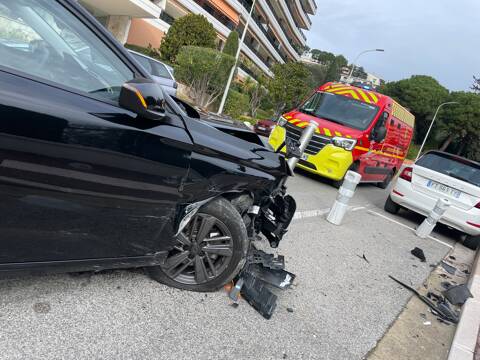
(418,253)
(457,295)
(448,268)
(435,302)
(261,271)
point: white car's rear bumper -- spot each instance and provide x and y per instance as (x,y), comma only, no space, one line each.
(422,203)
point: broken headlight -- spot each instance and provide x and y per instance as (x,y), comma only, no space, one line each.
(345,143)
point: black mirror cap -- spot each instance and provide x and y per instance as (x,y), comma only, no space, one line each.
(144,97)
(381,133)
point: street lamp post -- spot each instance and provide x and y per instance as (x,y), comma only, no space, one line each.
(431,125)
(232,72)
(349,79)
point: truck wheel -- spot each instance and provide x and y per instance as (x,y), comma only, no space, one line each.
(384,184)
(391,206)
(209,252)
(472,242)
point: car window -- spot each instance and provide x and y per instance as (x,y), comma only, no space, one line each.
(159,69)
(143,61)
(458,168)
(43,39)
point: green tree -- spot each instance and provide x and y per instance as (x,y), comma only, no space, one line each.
(255,86)
(205,71)
(323,57)
(317,74)
(289,86)
(231,45)
(476,84)
(333,70)
(188,30)
(422,95)
(459,125)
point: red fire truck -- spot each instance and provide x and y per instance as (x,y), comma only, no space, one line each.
(358,130)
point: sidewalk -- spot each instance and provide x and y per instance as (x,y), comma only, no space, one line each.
(466,336)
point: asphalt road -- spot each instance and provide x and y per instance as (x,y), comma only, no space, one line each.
(342,305)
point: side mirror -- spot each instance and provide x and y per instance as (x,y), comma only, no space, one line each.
(380,134)
(144,97)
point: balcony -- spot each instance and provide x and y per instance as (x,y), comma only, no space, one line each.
(300,14)
(223,29)
(310,6)
(256,27)
(293,25)
(278,28)
(132,8)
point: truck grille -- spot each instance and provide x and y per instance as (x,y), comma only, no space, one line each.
(316,144)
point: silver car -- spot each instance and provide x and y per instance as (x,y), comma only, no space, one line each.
(160,72)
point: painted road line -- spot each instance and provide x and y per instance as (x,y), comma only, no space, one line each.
(321,212)
(408,227)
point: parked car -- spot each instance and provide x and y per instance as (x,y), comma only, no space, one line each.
(358,130)
(160,72)
(99,169)
(441,175)
(264,127)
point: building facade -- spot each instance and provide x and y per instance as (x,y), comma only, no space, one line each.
(275,34)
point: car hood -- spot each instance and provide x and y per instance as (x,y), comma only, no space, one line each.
(333,128)
(232,144)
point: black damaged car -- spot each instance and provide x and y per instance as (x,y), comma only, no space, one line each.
(99,169)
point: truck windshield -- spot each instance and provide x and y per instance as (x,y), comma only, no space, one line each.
(340,109)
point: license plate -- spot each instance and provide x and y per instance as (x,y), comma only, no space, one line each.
(261,128)
(443,189)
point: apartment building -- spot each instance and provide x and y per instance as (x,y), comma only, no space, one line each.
(276,33)
(119,15)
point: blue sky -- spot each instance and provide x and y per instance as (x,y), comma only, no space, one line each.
(440,38)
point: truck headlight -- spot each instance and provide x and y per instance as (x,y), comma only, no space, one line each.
(345,143)
(282,121)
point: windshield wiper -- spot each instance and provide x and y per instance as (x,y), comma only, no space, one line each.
(308,112)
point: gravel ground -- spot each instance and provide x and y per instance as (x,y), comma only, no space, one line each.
(342,304)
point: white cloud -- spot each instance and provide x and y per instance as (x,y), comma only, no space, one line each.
(433,37)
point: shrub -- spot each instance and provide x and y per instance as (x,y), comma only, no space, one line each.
(231,46)
(205,71)
(189,30)
(237,104)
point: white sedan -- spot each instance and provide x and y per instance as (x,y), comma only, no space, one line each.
(441,175)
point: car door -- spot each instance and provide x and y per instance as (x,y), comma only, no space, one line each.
(80,177)
(376,163)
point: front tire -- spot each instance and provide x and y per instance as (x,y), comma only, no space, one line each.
(210,251)
(472,242)
(391,206)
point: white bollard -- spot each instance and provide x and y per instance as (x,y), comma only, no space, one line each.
(436,214)
(345,193)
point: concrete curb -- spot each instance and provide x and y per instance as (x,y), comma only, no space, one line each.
(466,335)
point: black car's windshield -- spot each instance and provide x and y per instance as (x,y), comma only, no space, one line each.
(41,38)
(340,109)
(458,168)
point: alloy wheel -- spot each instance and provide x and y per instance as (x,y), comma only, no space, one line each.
(203,251)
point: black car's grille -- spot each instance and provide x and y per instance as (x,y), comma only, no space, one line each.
(316,144)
